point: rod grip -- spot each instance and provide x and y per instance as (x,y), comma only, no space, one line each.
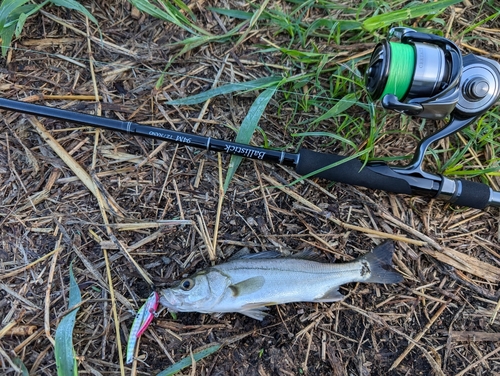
(350,172)
(473,194)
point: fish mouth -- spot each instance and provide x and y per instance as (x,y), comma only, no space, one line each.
(169,300)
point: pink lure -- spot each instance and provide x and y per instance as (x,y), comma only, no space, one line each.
(141,322)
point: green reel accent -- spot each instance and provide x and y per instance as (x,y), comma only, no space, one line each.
(401,70)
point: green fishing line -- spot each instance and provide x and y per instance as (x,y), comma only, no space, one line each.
(401,70)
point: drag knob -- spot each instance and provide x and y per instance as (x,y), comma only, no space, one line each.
(476,89)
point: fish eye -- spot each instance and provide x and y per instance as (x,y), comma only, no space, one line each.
(187,284)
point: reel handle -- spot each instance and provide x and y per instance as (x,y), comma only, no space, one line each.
(453,126)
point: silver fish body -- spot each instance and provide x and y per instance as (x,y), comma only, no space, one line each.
(249,284)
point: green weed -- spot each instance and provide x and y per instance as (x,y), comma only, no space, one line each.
(188,360)
(14,13)
(64,352)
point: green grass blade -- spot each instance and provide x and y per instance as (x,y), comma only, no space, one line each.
(342,105)
(259,83)
(187,361)
(185,8)
(13,15)
(168,13)
(200,40)
(19,363)
(31,9)
(248,126)
(326,134)
(75,5)
(386,19)
(341,25)
(6,35)
(64,352)
(145,6)
(176,16)
(7,8)
(239,14)
(304,56)
(196,41)
(252,22)
(10,11)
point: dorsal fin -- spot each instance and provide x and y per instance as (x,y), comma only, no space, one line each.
(307,254)
(242,255)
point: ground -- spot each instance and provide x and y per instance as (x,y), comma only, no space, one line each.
(132,204)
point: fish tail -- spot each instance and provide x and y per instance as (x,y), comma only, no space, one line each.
(380,264)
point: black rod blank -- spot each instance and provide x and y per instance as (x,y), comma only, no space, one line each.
(374,175)
(188,139)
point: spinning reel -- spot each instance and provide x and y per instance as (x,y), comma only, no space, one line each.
(425,75)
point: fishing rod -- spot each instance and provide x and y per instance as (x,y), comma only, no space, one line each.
(419,74)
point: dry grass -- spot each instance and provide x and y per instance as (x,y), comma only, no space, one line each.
(143,212)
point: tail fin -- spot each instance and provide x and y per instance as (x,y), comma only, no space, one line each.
(380,264)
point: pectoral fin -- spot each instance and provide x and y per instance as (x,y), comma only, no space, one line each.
(247,286)
(331,295)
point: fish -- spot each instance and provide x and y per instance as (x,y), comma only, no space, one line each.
(250,283)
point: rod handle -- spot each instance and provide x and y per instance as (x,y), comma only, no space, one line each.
(351,172)
(380,176)
(474,195)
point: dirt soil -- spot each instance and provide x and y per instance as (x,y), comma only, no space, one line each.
(132,204)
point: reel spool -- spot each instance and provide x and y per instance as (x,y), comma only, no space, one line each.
(419,75)
(394,70)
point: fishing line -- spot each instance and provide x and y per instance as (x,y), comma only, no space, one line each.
(402,66)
